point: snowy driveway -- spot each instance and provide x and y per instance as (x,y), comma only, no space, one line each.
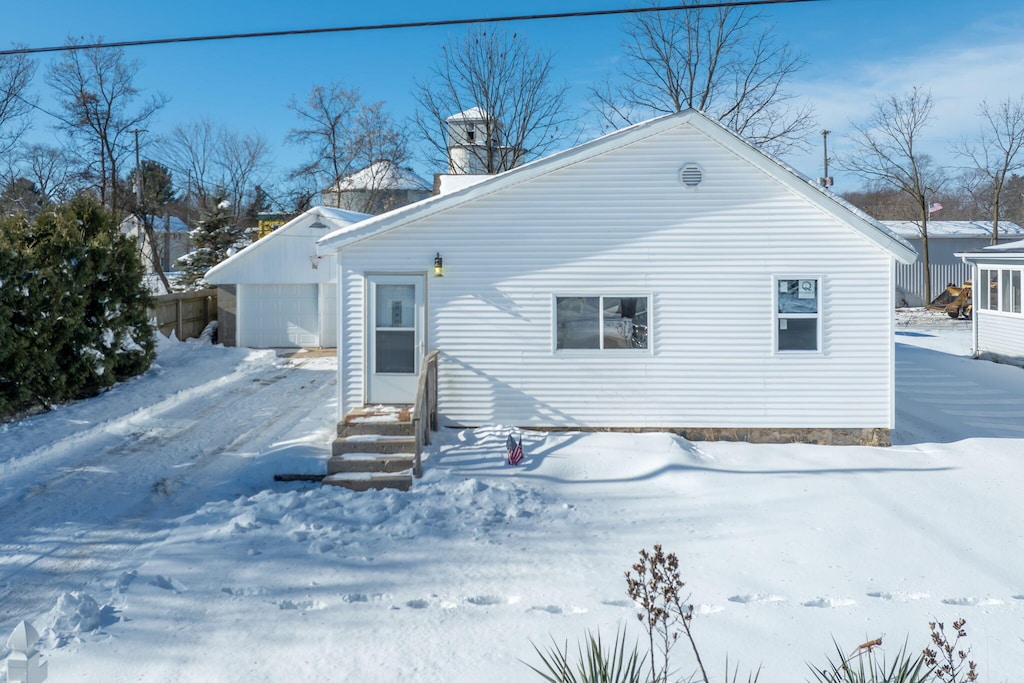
(83,488)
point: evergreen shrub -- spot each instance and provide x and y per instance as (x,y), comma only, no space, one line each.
(73,307)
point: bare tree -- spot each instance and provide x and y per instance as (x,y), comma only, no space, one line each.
(243,163)
(190,151)
(327,125)
(344,135)
(722,61)
(524,110)
(216,164)
(50,171)
(384,149)
(16,73)
(96,90)
(996,153)
(886,152)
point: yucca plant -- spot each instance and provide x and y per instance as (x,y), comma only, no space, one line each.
(864,665)
(751,677)
(594,662)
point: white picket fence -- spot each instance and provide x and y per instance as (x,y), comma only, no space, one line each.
(24,663)
(910,280)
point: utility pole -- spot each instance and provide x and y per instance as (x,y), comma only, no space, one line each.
(138,169)
(826,180)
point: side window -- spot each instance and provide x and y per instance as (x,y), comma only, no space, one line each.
(1003,290)
(797,314)
(982,296)
(601,322)
(1015,295)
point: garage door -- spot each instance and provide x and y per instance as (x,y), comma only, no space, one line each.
(278,316)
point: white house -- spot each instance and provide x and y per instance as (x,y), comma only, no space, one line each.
(946,239)
(278,291)
(667,275)
(998,318)
(475,144)
(379,187)
(172,240)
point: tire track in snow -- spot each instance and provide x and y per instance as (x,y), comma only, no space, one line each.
(88,523)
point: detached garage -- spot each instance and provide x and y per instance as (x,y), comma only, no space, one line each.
(277,292)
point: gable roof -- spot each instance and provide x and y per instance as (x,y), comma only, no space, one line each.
(859,221)
(234,270)
(381,175)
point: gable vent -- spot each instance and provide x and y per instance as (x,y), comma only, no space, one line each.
(691,175)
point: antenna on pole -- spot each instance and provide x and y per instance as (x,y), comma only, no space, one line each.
(826,180)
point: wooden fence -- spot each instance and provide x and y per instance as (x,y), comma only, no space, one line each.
(186,314)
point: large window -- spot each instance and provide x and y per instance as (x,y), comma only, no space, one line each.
(601,322)
(999,290)
(797,314)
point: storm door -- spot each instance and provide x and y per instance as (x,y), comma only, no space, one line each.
(396,337)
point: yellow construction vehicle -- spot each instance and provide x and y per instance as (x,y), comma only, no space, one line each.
(954,301)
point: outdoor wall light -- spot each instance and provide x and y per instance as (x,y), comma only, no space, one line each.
(438,266)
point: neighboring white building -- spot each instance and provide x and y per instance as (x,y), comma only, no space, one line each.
(475,144)
(946,239)
(380,187)
(667,275)
(278,292)
(172,239)
(998,317)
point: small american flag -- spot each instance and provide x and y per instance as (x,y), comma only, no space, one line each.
(935,206)
(515,450)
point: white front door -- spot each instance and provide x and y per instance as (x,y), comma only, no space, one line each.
(396,337)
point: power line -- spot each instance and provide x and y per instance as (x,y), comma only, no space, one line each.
(408,24)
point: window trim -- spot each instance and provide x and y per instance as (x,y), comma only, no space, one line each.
(601,351)
(820,350)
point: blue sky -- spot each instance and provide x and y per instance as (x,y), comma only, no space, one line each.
(963,51)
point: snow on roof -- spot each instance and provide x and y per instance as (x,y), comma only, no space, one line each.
(1013,251)
(870,228)
(1007,246)
(343,215)
(382,175)
(953,229)
(471,114)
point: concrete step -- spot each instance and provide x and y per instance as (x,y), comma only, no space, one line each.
(383,427)
(373,443)
(370,462)
(364,481)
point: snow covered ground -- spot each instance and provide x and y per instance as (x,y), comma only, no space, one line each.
(142,534)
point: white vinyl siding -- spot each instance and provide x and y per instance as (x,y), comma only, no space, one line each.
(328,315)
(619,223)
(1001,335)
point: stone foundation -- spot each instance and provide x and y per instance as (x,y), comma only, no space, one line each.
(871,436)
